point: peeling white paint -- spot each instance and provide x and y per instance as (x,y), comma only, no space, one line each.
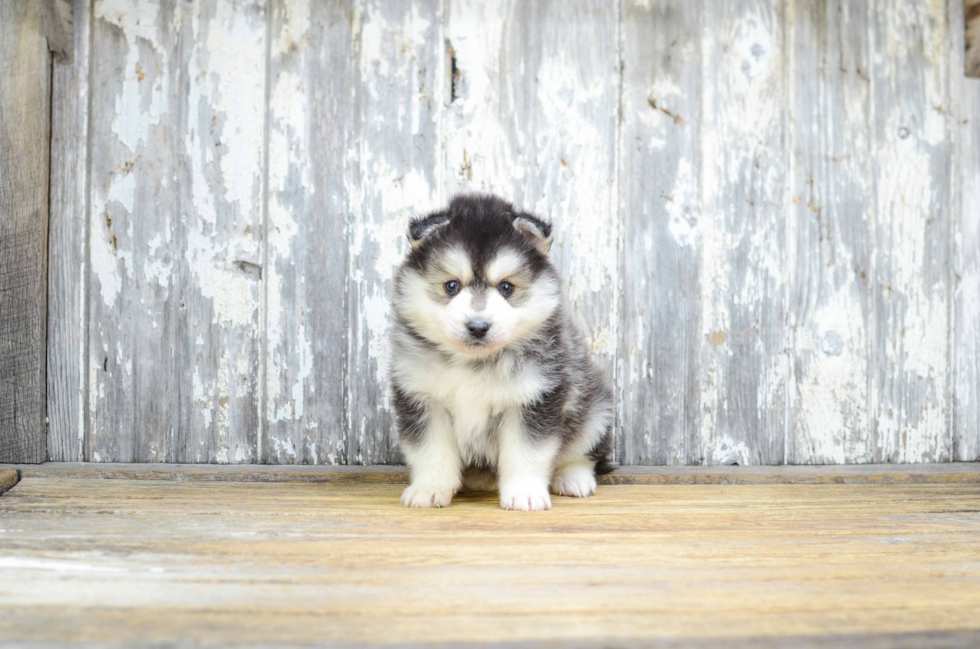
(289,151)
(537,125)
(105,265)
(236,69)
(139,23)
(284,449)
(683,219)
(233,295)
(726,451)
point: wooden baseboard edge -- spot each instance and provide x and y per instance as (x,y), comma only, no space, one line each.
(957,472)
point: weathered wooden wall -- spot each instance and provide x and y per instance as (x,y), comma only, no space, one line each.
(767,218)
(25,89)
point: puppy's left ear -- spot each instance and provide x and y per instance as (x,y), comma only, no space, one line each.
(422,227)
(537,232)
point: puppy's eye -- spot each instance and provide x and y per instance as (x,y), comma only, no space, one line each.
(505,288)
(452,287)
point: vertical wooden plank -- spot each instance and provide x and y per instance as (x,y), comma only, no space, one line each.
(217,272)
(67,262)
(25,92)
(399,69)
(661,314)
(743,232)
(133,301)
(310,121)
(828,260)
(910,85)
(965,133)
(532,116)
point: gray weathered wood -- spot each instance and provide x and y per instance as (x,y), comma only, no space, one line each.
(828,255)
(659,386)
(965,354)
(134,301)
(971,30)
(309,161)
(947,473)
(399,60)
(67,259)
(743,229)
(25,77)
(218,80)
(58,27)
(764,209)
(910,285)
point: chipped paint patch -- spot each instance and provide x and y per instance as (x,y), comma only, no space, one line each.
(726,451)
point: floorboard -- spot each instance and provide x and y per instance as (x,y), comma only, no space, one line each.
(212,563)
(958,472)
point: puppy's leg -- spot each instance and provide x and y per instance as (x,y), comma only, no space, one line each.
(524,466)
(574,477)
(433,459)
(575,468)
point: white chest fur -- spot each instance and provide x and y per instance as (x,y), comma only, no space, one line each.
(476,396)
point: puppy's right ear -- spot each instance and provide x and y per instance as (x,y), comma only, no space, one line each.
(537,232)
(422,227)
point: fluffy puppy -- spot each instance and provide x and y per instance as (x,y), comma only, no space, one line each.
(492,384)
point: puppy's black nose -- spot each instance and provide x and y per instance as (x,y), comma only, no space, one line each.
(478,328)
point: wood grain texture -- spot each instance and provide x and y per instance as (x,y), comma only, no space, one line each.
(965,203)
(134,300)
(398,66)
(911,231)
(220,92)
(122,562)
(764,217)
(744,367)
(25,78)
(309,165)
(830,219)
(971,31)
(58,18)
(659,387)
(654,475)
(67,249)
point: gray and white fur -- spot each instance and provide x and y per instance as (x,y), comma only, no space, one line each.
(492,384)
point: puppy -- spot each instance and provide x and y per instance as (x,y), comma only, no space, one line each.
(492,384)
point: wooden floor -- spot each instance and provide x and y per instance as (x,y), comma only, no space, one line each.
(171,562)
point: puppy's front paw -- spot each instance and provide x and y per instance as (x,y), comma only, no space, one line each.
(524,496)
(426,496)
(576,481)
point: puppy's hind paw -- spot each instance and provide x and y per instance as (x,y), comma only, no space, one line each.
(426,496)
(575,481)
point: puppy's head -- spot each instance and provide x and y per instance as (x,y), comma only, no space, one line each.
(477,279)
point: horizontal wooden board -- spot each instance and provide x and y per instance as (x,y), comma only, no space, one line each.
(164,562)
(660,475)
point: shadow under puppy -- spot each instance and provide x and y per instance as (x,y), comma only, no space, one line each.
(492,383)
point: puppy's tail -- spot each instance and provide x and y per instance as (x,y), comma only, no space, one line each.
(602,454)
(605,465)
